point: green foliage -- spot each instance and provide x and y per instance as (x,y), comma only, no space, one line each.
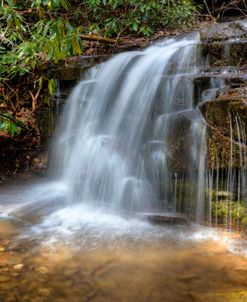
(32,32)
(140,16)
(230,209)
(10,125)
(52,85)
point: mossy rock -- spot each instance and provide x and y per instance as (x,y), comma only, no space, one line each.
(225,44)
(224,31)
(220,114)
(231,53)
(72,69)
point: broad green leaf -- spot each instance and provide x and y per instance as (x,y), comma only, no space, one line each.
(52,86)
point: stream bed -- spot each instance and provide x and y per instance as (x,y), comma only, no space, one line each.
(77,253)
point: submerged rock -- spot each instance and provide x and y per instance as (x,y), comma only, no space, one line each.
(18,266)
(165,218)
(42,270)
(4,278)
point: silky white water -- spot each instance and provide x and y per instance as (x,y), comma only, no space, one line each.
(114,146)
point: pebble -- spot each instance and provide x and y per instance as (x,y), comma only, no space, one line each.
(42,269)
(2,248)
(44,291)
(18,266)
(4,278)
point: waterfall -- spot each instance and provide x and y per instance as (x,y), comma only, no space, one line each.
(130,138)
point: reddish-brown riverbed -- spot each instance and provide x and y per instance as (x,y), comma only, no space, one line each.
(79,254)
(199,271)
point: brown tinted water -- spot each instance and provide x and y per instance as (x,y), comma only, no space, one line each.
(78,254)
(164,271)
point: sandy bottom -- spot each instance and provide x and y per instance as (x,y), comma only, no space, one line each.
(79,254)
(199,271)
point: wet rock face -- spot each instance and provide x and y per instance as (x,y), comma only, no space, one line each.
(223,76)
(224,44)
(224,31)
(74,68)
(227,53)
(226,117)
(224,47)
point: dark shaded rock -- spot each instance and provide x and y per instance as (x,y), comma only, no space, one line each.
(227,53)
(165,218)
(229,77)
(35,212)
(39,164)
(73,68)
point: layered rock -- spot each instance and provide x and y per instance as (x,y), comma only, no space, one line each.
(225,49)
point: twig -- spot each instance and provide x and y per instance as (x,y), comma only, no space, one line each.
(232,5)
(99,39)
(209,12)
(35,99)
(6,41)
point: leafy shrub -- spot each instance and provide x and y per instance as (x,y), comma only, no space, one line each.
(10,125)
(115,17)
(230,209)
(32,32)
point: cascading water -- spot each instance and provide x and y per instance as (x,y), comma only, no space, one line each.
(133,140)
(130,133)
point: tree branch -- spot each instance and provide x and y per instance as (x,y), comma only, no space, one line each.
(99,39)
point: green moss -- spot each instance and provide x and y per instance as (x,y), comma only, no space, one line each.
(220,114)
(227,209)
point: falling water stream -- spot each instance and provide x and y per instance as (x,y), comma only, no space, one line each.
(131,141)
(114,148)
